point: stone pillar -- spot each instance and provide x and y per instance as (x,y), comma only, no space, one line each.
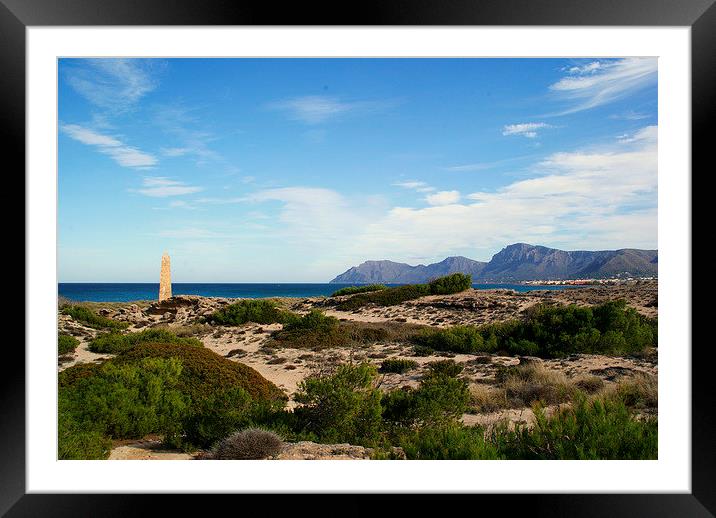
(165,279)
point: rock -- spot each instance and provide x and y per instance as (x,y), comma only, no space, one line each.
(306,450)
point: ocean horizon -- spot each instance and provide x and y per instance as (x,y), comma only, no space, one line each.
(130,291)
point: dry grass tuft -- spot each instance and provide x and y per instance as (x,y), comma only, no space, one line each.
(252,443)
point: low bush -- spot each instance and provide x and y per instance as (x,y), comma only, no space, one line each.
(258,311)
(312,331)
(352,290)
(342,407)
(484,398)
(552,331)
(251,443)
(204,372)
(71,375)
(126,401)
(533,382)
(458,339)
(77,441)
(66,344)
(115,343)
(444,368)
(437,401)
(423,350)
(639,391)
(598,429)
(397,365)
(447,442)
(454,283)
(90,318)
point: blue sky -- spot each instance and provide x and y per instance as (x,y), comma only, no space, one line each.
(294,170)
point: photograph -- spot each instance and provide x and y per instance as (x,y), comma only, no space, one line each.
(358,258)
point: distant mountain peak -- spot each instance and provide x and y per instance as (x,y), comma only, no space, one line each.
(515,262)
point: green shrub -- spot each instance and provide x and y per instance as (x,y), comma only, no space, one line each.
(252,443)
(458,339)
(215,416)
(77,441)
(66,344)
(448,284)
(444,368)
(258,311)
(352,290)
(453,283)
(90,318)
(127,401)
(423,350)
(437,401)
(552,331)
(313,331)
(71,375)
(204,372)
(343,407)
(448,442)
(398,365)
(115,343)
(598,429)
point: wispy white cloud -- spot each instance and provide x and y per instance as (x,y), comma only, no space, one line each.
(415,185)
(527,129)
(630,115)
(126,156)
(317,109)
(443,198)
(182,125)
(604,82)
(162,187)
(112,84)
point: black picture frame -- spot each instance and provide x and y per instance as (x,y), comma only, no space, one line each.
(700,15)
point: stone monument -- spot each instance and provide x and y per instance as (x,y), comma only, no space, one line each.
(165,279)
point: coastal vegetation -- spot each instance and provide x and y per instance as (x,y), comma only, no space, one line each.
(258,311)
(448,284)
(397,365)
(88,317)
(115,343)
(66,344)
(552,331)
(352,290)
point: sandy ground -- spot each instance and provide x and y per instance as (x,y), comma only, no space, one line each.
(286,368)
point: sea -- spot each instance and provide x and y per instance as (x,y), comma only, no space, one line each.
(126,292)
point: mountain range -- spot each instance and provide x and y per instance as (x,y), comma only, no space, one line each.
(517,262)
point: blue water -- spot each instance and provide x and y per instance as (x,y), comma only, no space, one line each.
(124,292)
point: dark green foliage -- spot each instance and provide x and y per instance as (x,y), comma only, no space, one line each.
(258,311)
(447,442)
(71,375)
(398,365)
(454,283)
(66,344)
(552,331)
(116,343)
(391,296)
(215,416)
(444,368)
(439,400)
(127,401)
(206,373)
(90,318)
(352,290)
(423,350)
(313,331)
(599,429)
(252,443)
(458,339)
(343,407)
(80,441)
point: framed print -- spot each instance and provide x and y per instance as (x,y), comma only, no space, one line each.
(420,250)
